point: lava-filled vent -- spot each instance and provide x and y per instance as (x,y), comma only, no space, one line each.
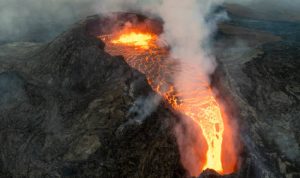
(138,39)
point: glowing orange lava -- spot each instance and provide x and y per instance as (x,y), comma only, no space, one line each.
(195,100)
(134,39)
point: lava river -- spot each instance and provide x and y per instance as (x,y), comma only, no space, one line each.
(146,53)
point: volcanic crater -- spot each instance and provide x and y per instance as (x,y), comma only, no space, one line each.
(68,108)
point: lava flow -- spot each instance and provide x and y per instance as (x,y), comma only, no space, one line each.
(195,100)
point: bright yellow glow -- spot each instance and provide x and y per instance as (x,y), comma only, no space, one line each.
(134,39)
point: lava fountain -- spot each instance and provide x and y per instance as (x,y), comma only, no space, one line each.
(145,52)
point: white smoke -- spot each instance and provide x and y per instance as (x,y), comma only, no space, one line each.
(143,107)
(186,30)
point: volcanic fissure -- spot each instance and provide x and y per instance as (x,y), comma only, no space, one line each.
(143,50)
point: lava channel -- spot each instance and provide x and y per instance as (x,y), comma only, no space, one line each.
(196,100)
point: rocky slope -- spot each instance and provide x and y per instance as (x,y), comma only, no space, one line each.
(263,82)
(70,109)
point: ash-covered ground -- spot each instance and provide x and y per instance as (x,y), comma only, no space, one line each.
(66,106)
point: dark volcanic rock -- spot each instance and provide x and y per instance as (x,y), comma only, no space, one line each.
(66,111)
(208,173)
(264,85)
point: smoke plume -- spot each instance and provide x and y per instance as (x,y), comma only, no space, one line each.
(188,29)
(143,107)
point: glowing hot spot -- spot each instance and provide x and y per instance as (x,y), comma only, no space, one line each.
(134,39)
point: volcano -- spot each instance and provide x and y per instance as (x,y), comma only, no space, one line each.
(87,104)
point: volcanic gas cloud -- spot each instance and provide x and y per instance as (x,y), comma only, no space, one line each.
(209,142)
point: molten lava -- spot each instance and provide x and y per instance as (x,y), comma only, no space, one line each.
(195,100)
(135,39)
